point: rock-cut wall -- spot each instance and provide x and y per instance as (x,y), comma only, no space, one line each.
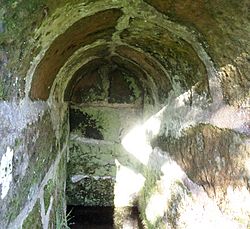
(112,102)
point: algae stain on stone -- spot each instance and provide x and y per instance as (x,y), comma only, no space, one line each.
(34,219)
(48,192)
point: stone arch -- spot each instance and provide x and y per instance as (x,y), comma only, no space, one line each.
(154,90)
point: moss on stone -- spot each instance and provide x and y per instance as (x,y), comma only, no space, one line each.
(149,188)
(177,56)
(34,218)
(109,120)
(64,130)
(133,86)
(94,165)
(96,159)
(20,24)
(236,81)
(85,124)
(41,154)
(58,217)
(208,146)
(210,19)
(91,192)
(1,90)
(210,151)
(6,85)
(126,217)
(48,192)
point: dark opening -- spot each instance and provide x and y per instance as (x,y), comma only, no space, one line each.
(90,217)
(82,217)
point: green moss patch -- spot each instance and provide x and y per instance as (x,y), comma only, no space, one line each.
(34,218)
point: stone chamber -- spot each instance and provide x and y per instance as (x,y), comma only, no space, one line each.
(138,108)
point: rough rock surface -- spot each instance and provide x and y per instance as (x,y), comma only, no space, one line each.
(154,90)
